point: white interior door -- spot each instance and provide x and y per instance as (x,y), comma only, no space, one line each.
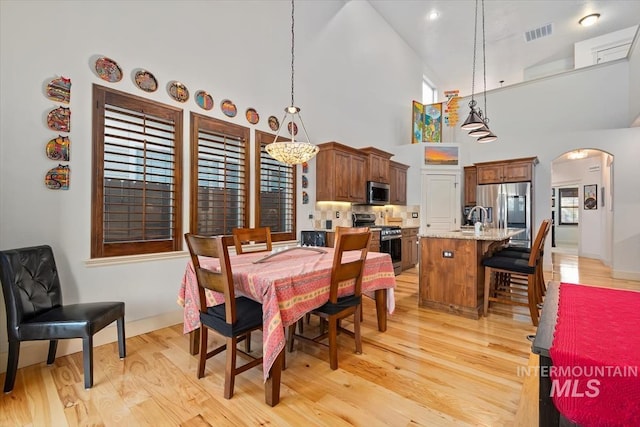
(441,201)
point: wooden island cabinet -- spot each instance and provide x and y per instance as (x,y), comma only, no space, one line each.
(451,274)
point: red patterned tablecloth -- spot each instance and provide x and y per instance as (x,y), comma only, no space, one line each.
(596,356)
(288,286)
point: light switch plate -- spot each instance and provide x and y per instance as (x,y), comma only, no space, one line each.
(447,254)
(414,214)
(337,214)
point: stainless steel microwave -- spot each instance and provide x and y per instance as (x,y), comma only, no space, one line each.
(377,193)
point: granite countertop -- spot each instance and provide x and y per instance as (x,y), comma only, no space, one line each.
(494,234)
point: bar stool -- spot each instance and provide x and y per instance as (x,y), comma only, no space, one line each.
(505,285)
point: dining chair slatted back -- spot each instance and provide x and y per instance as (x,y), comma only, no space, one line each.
(234,319)
(259,235)
(503,283)
(338,308)
(35,311)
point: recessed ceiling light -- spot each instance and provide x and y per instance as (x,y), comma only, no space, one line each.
(589,20)
(433,15)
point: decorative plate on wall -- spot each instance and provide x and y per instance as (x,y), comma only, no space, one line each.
(178,91)
(305,181)
(252,116)
(58,148)
(59,119)
(59,90)
(274,124)
(293,126)
(204,100)
(108,70)
(145,81)
(229,108)
(58,178)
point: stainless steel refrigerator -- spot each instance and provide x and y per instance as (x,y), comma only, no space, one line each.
(508,206)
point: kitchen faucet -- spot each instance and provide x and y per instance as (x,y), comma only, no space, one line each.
(484,210)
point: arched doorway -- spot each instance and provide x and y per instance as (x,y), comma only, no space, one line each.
(581,203)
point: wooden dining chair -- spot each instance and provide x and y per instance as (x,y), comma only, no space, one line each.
(244,236)
(501,282)
(338,308)
(234,319)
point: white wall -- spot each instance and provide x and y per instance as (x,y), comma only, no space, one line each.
(634,83)
(355,79)
(592,233)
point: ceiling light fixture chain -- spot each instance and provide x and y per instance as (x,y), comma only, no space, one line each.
(474,120)
(292,152)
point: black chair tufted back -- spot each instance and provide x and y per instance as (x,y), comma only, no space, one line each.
(33,301)
(30,283)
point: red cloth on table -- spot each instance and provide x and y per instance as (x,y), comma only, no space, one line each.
(596,356)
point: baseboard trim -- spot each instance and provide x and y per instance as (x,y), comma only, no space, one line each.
(33,352)
(626,275)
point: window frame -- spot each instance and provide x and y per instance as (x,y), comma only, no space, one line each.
(103,96)
(561,191)
(222,127)
(262,139)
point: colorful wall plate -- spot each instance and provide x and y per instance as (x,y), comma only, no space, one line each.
(252,116)
(59,119)
(305,198)
(108,70)
(178,91)
(229,108)
(204,100)
(58,148)
(59,90)
(305,181)
(274,124)
(293,126)
(58,178)
(145,81)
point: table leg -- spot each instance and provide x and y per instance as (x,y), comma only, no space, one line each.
(194,341)
(381,309)
(547,412)
(272,386)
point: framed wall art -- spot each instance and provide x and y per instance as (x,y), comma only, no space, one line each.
(441,156)
(591,197)
(417,120)
(432,130)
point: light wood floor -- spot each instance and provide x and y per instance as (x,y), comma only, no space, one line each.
(429,369)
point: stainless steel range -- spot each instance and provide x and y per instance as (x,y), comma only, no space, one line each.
(390,237)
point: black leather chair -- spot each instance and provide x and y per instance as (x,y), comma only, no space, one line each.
(33,301)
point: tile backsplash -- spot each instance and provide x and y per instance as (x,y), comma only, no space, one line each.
(339,214)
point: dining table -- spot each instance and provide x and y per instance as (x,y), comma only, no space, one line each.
(589,351)
(289,284)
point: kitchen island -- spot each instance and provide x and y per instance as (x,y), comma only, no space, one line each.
(451,275)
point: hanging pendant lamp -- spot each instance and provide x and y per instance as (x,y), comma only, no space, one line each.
(292,152)
(478,125)
(473,121)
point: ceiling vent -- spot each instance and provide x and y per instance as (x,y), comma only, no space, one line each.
(538,33)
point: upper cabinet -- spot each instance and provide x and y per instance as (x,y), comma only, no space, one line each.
(340,173)
(470,183)
(516,170)
(397,183)
(377,165)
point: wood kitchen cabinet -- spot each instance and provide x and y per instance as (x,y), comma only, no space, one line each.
(409,248)
(377,164)
(517,170)
(340,173)
(397,183)
(470,184)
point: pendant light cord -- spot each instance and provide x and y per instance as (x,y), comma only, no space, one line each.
(473,74)
(292,51)
(484,68)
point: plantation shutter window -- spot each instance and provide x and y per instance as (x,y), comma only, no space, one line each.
(219,176)
(137,182)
